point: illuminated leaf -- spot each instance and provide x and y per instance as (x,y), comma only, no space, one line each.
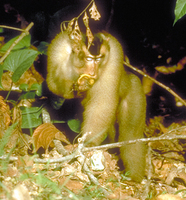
(76,33)
(180,10)
(70,25)
(172,69)
(89,36)
(94,12)
(85,19)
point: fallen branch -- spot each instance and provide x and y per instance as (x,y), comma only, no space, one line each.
(144,140)
(108,146)
(155,81)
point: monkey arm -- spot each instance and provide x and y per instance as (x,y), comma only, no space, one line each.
(102,99)
(98,116)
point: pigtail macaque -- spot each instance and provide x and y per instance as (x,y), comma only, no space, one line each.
(109,94)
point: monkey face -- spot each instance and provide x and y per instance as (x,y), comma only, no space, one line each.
(86,67)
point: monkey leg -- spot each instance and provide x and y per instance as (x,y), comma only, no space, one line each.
(131,118)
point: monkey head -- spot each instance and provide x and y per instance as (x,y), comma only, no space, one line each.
(87,62)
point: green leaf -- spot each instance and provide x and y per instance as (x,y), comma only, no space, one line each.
(28,95)
(35,86)
(57,102)
(24,87)
(180,10)
(25,176)
(34,91)
(1,30)
(42,48)
(38,88)
(24,43)
(74,125)
(31,117)
(5,139)
(19,61)
(1,74)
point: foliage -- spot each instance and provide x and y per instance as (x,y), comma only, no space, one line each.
(74,125)
(19,61)
(180,10)
(24,43)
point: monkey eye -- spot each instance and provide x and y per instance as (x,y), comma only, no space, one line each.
(98,59)
(89,59)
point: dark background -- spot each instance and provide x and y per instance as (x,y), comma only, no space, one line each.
(145,29)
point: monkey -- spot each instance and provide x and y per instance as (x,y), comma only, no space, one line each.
(109,94)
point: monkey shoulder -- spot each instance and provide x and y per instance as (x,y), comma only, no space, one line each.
(59,44)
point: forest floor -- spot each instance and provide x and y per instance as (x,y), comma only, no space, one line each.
(24,176)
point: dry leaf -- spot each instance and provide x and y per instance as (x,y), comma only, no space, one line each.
(76,33)
(60,136)
(44,134)
(181,63)
(73,185)
(172,69)
(70,25)
(94,12)
(85,19)
(169,60)
(166,70)
(4,116)
(89,36)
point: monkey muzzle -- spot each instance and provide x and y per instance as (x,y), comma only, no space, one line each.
(85,81)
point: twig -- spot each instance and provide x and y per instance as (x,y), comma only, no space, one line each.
(155,81)
(84,9)
(55,160)
(23,34)
(76,18)
(144,140)
(13,28)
